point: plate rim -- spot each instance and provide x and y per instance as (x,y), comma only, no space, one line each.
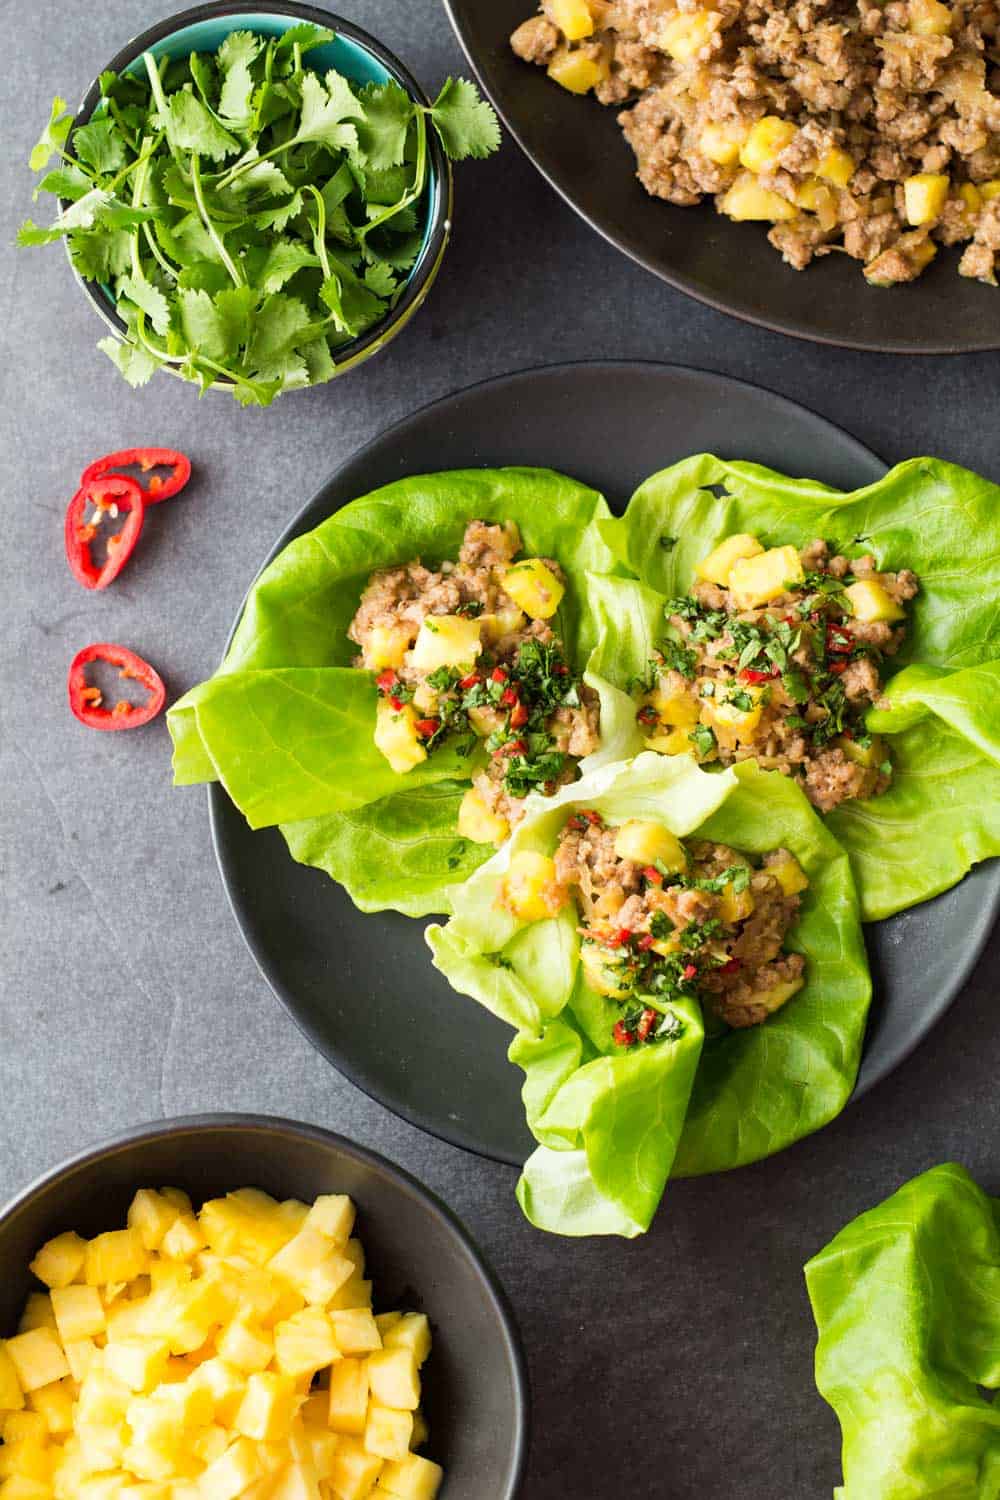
(678,280)
(219,803)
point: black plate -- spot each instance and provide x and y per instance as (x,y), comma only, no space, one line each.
(578,146)
(362,987)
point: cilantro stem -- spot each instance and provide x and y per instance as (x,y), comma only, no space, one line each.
(160,98)
(416,188)
(319,237)
(214,236)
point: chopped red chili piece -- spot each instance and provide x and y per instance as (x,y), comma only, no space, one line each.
(473,680)
(652,874)
(508,697)
(645,942)
(592,816)
(426,727)
(621,1036)
(623,935)
(847,734)
(499,674)
(648,715)
(732,967)
(647,1021)
(561,670)
(145,458)
(512,747)
(837,641)
(87,701)
(690,971)
(108,496)
(837,667)
(750,674)
(395,703)
(385,680)
(518,716)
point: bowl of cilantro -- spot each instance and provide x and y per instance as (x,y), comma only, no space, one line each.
(256,200)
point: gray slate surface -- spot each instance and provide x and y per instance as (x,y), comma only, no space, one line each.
(674,1367)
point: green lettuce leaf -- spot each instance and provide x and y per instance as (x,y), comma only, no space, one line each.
(612,1125)
(940,815)
(907,1306)
(286,724)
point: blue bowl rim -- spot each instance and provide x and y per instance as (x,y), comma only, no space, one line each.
(221,1122)
(442,187)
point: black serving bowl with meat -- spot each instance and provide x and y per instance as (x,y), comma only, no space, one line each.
(578,146)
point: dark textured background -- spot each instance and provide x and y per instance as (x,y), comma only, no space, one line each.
(678,1366)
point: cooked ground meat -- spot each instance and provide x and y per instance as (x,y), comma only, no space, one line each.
(712,927)
(788,682)
(851,125)
(504,680)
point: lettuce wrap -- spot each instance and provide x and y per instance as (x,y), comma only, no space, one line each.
(907,1306)
(286,724)
(613,1124)
(942,812)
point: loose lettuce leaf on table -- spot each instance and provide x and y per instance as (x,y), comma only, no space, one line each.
(940,815)
(907,1306)
(612,1125)
(286,724)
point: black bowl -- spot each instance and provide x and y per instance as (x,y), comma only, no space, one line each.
(203,27)
(476,1393)
(578,146)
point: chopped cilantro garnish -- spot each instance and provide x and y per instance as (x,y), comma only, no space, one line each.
(703,740)
(660,925)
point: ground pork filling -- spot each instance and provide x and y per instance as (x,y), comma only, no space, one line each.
(856,126)
(465,653)
(787,683)
(702,921)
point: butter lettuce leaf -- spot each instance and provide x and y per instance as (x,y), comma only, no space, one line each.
(613,1125)
(940,815)
(907,1307)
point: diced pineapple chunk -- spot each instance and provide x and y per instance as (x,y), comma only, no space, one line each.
(716,567)
(572,17)
(735,906)
(604,974)
(534,587)
(818,198)
(930,18)
(747,200)
(356,1292)
(756,580)
(924,196)
(79,1356)
(226,1386)
(322,1446)
(789,874)
(118,1255)
(872,754)
(305,1342)
(649,844)
(60,1261)
(836,166)
(677,742)
(576,71)
(478,823)
(678,708)
(233,1473)
(26,1460)
(971,197)
(412,1331)
(687,33)
(313,1265)
(504,622)
(54,1403)
(774,998)
(268,1407)
(765,143)
(348,1396)
(396,736)
(356,1331)
(884,269)
(78,1311)
(530,889)
(870,601)
(354,1470)
(731,723)
(37,1313)
(333,1215)
(721,143)
(152,1215)
(413,1478)
(386,646)
(388,1433)
(25,1427)
(446,641)
(20,1487)
(393,1378)
(140,1363)
(245,1346)
(38,1358)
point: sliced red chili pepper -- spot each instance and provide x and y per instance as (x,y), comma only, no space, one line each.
(109,496)
(652,874)
(473,680)
(426,727)
(395,703)
(750,674)
(508,697)
(732,967)
(690,971)
(837,667)
(645,942)
(518,716)
(836,641)
(561,670)
(621,1036)
(592,816)
(385,680)
(499,674)
(648,715)
(144,458)
(647,1021)
(623,935)
(87,701)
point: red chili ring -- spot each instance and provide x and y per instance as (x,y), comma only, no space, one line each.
(111,489)
(85,701)
(146,458)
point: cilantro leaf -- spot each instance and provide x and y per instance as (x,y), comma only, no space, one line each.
(384,126)
(100,145)
(281,323)
(202,325)
(147,297)
(66,182)
(52,138)
(325,111)
(380,279)
(305,36)
(100,256)
(282,261)
(466,124)
(133,361)
(191,126)
(238,50)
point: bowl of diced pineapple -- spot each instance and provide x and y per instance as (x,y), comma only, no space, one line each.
(235,1307)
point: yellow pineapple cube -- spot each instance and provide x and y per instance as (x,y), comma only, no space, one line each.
(789,874)
(322,1445)
(572,17)
(386,646)
(731,723)
(354,1470)
(765,143)
(354,1251)
(78,1311)
(37,1313)
(246,1223)
(140,1363)
(396,736)
(20,1487)
(195,1310)
(413,1332)
(676,742)
(233,1473)
(348,1408)
(870,601)
(872,754)
(746,200)
(11,1393)
(605,973)
(534,587)
(333,1215)
(413,1478)
(990,190)
(971,197)
(315,1268)
(54,1403)
(477,823)
(355,1331)
(836,166)
(388,1432)
(60,1261)
(28,1459)
(245,1345)
(576,71)
(226,1386)
(38,1358)
(686,33)
(356,1292)
(735,906)
(305,1342)
(930,18)
(716,567)
(118,1255)
(296,1482)
(165,1273)
(209,1443)
(183,1239)
(152,1215)
(924,196)
(721,143)
(268,1407)
(393,1379)
(756,580)
(776,996)
(387,1320)
(25,1427)
(446,641)
(504,622)
(647,843)
(676,707)
(530,889)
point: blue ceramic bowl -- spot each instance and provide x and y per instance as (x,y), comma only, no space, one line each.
(359,57)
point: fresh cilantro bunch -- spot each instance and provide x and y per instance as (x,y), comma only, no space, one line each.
(251,217)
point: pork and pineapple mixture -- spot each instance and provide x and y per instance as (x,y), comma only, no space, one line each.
(662,922)
(870,127)
(776,655)
(466,653)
